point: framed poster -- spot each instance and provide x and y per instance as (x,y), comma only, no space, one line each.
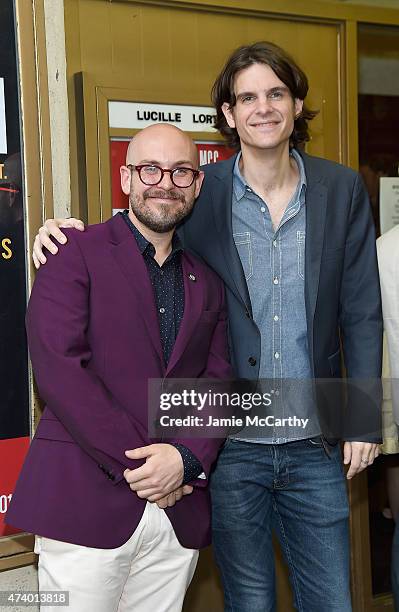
(3,129)
(108,117)
(209,152)
(129,117)
(14,378)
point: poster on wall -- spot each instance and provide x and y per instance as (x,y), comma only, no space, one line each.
(3,131)
(138,115)
(14,380)
(209,152)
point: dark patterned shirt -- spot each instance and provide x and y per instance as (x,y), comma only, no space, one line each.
(168,285)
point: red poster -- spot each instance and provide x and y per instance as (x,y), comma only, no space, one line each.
(12,456)
(118,159)
(210,152)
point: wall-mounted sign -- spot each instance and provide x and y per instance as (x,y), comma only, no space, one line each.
(12,455)
(3,131)
(389,203)
(209,152)
(212,152)
(138,115)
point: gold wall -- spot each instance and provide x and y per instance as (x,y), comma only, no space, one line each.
(166,54)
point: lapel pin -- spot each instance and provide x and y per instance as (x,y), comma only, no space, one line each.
(192,277)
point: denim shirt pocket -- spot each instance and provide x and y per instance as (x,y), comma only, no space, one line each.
(244,247)
(300,239)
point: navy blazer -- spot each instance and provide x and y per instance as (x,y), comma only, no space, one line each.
(342,292)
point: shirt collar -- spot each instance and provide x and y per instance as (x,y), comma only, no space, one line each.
(144,244)
(240,186)
(302,174)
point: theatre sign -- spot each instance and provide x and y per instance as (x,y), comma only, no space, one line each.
(138,115)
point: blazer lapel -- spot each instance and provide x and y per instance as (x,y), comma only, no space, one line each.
(316,209)
(128,257)
(193,306)
(221,193)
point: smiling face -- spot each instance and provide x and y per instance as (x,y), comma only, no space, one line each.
(264,112)
(160,207)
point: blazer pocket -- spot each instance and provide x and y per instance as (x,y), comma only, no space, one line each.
(244,247)
(300,239)
(49,429)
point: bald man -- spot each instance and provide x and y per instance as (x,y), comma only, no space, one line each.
(119,518)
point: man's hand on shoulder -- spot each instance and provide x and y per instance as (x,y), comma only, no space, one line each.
(51,229)
(360,455)
(161,474)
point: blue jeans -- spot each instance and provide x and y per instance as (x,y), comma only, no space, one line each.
(300,492)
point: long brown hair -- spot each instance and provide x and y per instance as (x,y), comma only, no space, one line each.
(287,71)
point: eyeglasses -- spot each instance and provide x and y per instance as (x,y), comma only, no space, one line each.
(10,188)
(150,174)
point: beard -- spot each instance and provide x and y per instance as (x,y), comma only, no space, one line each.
(164,217)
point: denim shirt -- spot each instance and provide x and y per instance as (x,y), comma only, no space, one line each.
(274,266)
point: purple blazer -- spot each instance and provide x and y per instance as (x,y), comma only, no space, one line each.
(94,341)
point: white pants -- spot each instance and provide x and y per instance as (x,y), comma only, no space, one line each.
(149,573)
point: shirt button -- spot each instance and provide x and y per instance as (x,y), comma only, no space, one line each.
(275,318)
(274,243)
(275,281)
(252,361)
(276,355)
(162,310)
(249,190)
(263,209)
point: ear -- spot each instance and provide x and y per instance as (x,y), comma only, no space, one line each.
(229,114)
(126,177)
(298,106)
(198,184)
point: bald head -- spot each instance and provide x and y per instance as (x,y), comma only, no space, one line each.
(162,143)
(167,154)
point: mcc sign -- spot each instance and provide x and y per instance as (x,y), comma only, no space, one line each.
(209,152)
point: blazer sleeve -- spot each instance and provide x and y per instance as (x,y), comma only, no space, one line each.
(360,303)
(57,321)
(361,322)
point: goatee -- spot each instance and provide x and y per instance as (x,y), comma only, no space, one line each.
(166,217)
